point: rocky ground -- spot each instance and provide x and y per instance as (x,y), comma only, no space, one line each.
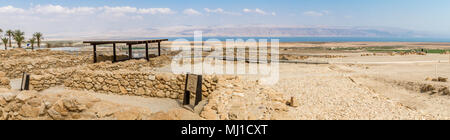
(353,85)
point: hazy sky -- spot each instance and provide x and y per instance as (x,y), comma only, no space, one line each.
(87,16)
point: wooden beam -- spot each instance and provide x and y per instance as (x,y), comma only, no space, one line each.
(198,92)
(187,94)
(125,41)
(95,53)
(159,48)
(130,51)
(114,53)
(146,52)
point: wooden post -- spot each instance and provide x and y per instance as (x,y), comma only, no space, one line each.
(187,97)
(146,51)
(95,53)
(198,93)
(25,82)
(193,84)
(130,52)
(159,48)
(114,53)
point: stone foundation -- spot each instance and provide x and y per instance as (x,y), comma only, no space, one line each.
(4,81)
(20,53)
(160,85)
(123,82)
(15,68)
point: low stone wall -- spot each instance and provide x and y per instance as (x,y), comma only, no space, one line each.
(102,58)
(126,65)
(50,78)
(20,53)
(123,82)
(161,85)
(4,81)
(15,68)
(134,65)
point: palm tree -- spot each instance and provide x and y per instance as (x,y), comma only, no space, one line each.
(1,32)
(9,33)
(38,36)
(32,41)
(5,41)
(19,37)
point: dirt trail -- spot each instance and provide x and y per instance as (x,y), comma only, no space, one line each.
(332,93)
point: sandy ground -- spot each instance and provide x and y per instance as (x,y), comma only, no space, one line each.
(353,92)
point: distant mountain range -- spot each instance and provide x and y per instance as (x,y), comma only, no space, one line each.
(302,32)
(247,31)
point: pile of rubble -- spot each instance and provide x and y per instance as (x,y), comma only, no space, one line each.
(4,81)
(239,100)
(439,79)
(427,88)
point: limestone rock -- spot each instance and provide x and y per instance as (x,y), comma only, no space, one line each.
(26,95)
(73,105)
(293,102)
(8,96)
(129,114)
(29,111)
(140,91)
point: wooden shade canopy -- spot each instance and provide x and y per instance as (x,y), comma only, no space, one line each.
(130,43)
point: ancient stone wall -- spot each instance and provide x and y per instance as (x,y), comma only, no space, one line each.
(45,79)
(124,82)
(4,81)
(14,68)
(20,53)
(163,85)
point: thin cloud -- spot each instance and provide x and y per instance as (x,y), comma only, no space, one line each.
(57,9)
(258,11)
(315,13)
(11,9)
(221,11)
(218,10)
(191,11)
(154,11)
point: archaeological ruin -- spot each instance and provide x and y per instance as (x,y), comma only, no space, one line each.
(67,86)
